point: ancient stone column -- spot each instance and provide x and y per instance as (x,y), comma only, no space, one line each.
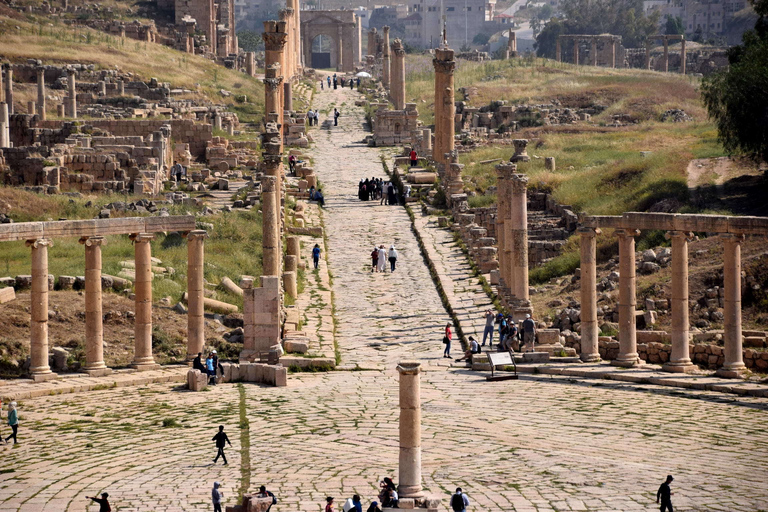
(593,51)
(410,430)
(666,55)
(511,45)
(590,331)
(142,358)
(627,300)
(648,54)
(288,95)
(41,93)
(576,51)
(4,128)
(291,263)
(102,88)
(94,327)
(613,53)
(733,361)
(340,48)
(195,292)
(372,42)
(445,65)
(558,57)
(682,55)
(397,88)
(517,231)
(274,43)
(38,329)
(120,88)
(292,247)
(31,109)
(250,63)
(426,140)
(385,58)
(679,359)
(289,284)
(504,172)
(72,106)
(8,87)
(270,226)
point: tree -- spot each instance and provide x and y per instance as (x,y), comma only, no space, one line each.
(250,41)
(481,39)
(737,97)
(674,26)
(546,42)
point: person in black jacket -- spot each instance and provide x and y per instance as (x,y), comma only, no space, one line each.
(264,493)
(103,502)
(197,363)
(665,495)
(220,439)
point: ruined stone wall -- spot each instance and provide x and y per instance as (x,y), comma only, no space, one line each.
(26,130)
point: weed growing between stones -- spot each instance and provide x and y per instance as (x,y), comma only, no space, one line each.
(245,444)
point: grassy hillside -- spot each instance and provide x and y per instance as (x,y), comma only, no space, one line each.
(29,36)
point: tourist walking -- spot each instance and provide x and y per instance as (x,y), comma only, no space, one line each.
(13,422)
(488,331)
(665,495)
(529,331)
(382,260)
(329,504)
(414,157)
(336,115)
(392,256)
(321,85)
(221,441)
(447,340)
(103,502)
(177,170)
(459,501)
(375,259)
(217,496)
(329,81)
(210,367)
(316,255)
(391,199)
(264,493)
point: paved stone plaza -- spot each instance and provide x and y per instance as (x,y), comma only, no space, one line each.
(541,443)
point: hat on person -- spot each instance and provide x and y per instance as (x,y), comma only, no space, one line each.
(527,315)
(669,478)
(213,351)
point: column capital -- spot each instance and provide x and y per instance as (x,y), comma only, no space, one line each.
(89,241)
(687,235)
(268,184)
(274,41)
(504,170)
(589,232)
(519,183)
(409,367)
(732,237)
(273,83)
(197,234)
(625,232)
(39,242)
(444,66)
(142,237)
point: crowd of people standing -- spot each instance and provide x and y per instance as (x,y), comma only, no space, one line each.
(370,189)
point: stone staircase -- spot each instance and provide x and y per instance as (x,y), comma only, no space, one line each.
(546,236)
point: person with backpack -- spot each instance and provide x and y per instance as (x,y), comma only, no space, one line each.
(513,336)
(459,501)
(529,331)
(103,502)
(216,497)
(264,493)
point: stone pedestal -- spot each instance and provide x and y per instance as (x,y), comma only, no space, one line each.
(196,312)
(261,316)
(627,300)
(410,430)
(94,327)
(733,364)
(679,360)
(142,359)
(38,329)
(590,331)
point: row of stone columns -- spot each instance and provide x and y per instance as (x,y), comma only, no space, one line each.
(397,76)
(94,329)
(593,48)
(680,360)
(445,108)
(666,39)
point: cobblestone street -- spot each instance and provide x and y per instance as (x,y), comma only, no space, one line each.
(543,443)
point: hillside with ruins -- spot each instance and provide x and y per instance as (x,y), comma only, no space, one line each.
(472,256)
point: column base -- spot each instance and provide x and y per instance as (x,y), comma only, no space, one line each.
(628,363)
(410,491)
(145,366)
(44,376)
(679,367)
(733,372)
(590,358)
(97,372)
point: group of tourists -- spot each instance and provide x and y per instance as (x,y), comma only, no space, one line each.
(209,367)
(312,117)
(380,256)
(336,81)
(511,337)
(370,189)
(316,194)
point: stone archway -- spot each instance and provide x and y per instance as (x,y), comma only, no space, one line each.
(321,52)
(341,29)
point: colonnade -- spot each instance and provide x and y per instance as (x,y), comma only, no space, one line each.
(577,38)
(666,38)
(512,231)
(680,228)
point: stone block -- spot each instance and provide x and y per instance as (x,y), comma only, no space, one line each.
(7,294)
(281,376)
(251,371)
(196,380)
(548,336)
(406,503)
(536,357)
(297,346)
(495,277)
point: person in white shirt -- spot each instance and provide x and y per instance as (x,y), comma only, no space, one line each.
(392,255)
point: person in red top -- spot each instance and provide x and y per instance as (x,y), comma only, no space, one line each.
(414,157)
(447,341)
(329,504)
